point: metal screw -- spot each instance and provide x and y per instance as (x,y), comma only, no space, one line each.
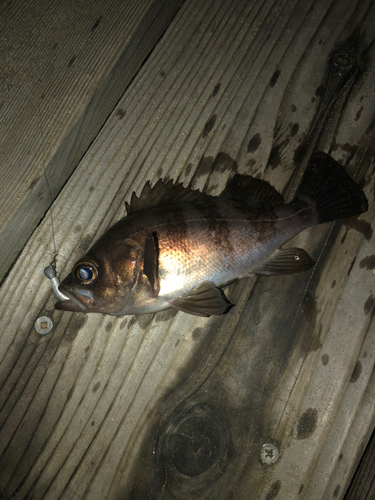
(43,325)
(269,453)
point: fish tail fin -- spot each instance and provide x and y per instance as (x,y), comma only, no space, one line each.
(330,191)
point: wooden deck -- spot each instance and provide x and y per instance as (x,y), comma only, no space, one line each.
(105,96)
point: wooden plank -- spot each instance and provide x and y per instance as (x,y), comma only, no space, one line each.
(62,73)
(362,486)
(173,406)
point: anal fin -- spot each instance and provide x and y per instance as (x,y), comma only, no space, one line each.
(285,261)
(204,300)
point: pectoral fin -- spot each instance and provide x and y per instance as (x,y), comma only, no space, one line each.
(151,261)
(286,261)
(204,300)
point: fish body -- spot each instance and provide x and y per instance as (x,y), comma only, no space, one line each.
(178,247)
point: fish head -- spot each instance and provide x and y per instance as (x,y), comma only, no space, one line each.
(101,281)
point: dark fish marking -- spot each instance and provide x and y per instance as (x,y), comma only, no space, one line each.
(254,143)
(151,261)
(216,89)
(320,91)
(275,77)
(70,63)
(256,193)
(293,108)
(96,24)
(162,74)
(307,423)
(96,387)
(209,126)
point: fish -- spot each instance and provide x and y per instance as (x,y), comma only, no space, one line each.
(178,247)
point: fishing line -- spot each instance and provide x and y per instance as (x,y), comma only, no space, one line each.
(50,271)
(55,253)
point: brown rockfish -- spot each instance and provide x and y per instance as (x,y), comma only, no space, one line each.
(178,247)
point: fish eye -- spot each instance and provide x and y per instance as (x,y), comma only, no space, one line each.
(86,272)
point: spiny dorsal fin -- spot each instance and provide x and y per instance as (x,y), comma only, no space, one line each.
(163,194)
(254,192)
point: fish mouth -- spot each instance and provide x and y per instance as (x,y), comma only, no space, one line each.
(78,301)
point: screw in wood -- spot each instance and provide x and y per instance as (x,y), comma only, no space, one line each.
(43,325)
(269,453)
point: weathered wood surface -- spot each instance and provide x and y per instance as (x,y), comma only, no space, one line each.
(362,486)
(173,406)
(62,70)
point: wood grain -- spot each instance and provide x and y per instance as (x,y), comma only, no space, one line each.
(173,406)
(62,73)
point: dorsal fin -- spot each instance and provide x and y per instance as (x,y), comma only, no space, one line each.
(254,192)
(163,194)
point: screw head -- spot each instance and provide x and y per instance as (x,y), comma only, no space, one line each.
(43,325)
(269,453)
